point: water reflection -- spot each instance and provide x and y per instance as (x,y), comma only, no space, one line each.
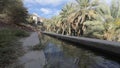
(63,55)
(56,59)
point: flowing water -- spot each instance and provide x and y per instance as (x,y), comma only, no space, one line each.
(60,54)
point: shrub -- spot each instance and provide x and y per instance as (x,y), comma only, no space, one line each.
(10,47)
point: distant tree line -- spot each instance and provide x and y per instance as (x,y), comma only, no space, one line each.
(13,11)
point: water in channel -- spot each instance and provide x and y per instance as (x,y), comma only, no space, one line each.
(60,54)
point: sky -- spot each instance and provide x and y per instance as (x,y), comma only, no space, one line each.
(45,8)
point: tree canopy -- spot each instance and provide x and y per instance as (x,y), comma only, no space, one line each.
(89,18)
(13,11)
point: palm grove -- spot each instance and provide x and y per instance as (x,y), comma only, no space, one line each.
(88,18)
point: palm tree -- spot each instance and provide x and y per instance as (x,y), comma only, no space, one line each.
(47,24)
(54,22)
(86,11)
(110,16)
(64,14)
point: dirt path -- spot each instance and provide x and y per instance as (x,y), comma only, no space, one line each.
(31,59)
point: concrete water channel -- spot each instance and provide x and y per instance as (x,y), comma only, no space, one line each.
(60,54)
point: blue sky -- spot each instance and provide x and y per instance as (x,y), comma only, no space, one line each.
(45,8)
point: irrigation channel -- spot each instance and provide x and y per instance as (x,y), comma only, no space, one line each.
(61,53)
(57,53)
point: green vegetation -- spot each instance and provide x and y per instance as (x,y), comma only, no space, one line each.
(88,18)
(20,33)
(38,47)
(10,47)
(13,11)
